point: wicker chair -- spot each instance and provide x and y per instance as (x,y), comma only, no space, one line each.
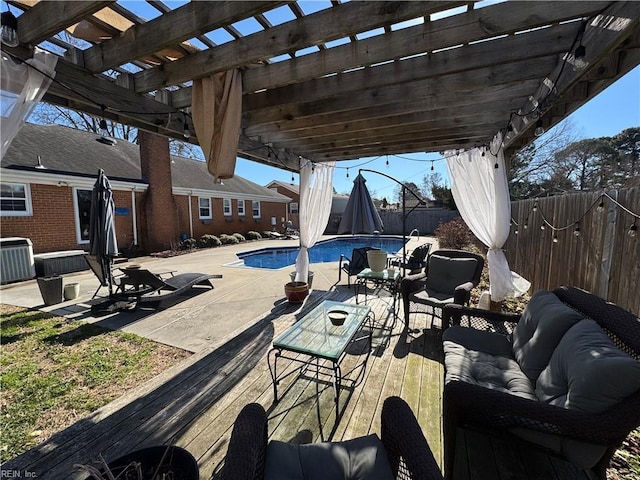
(406,448)
(440,283)
(468,404)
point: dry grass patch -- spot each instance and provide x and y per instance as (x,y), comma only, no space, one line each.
(54,371)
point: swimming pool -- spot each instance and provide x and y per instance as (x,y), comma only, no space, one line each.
(322,252)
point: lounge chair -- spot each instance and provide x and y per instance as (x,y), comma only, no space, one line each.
(106,278)
(146,284)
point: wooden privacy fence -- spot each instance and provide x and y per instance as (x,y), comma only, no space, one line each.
(424,220)
(603,259)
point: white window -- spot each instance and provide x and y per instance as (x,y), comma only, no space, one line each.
(293,207)
(256,209)
(15,200)
(226,206)
(82,207)
(204,207)
(241,207)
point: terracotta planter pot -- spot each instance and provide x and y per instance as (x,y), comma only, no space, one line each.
(292,275)
(296,292)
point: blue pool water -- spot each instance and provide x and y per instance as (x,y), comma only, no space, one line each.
(321,252)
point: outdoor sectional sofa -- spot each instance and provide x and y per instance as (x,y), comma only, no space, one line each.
(564,376)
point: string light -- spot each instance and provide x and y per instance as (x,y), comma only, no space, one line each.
(576,231)
(633,229)
(555,238)
(187,132)
(600,208)
(347,172)
(539,128)
(535,206)
(387,161)
(432,165)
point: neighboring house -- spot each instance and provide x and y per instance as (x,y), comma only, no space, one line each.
(48,172)
(338,202)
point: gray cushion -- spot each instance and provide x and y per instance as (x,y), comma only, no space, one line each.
(486,370)
(445,273)
(362,458)
(543,323)
(479,340)
(587,372)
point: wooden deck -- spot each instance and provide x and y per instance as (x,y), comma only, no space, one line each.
(194,405)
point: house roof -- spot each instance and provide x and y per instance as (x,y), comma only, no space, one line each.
(292,187)
(338,80)
(68,151)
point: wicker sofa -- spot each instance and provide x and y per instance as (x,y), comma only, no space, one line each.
(563,376)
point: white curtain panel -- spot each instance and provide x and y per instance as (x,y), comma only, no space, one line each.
(316,194)
(481,193)
(22,88)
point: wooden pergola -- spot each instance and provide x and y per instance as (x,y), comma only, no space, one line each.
(350,80)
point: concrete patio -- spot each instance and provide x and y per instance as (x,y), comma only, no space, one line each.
(200,319)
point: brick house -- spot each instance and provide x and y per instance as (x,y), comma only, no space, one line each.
(291,190)
(48,172)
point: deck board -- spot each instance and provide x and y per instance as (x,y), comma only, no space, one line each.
(195,404)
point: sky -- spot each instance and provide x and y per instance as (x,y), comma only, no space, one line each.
(607,114)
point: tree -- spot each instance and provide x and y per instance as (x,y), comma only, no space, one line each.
(398,191)
(627,146)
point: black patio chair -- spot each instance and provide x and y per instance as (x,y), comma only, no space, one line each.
(355,264)
(406,452)
(416,261)
(449,277)
(145,284)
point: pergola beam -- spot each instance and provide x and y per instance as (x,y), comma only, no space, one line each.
(173,27)
(320,27)
(46,19)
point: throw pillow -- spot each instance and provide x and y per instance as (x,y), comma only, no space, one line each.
(445,273)
(587,372)
(543,323)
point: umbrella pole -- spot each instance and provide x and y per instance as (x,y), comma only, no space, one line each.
(404,230)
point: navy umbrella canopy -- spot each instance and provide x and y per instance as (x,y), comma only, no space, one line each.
(102,229)
(360,214)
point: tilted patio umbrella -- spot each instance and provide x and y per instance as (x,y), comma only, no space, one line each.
(360,215)
(102,229)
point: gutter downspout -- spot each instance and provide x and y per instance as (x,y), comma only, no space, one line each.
(134,216)
(190,218)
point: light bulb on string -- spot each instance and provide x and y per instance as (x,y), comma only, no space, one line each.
(432,165)
(633,229)
(576,231)
(555,238)
(387,161)
(292,178)
(9,29)
(347,172)
(600,207)
(525,226)
(542,227)
(539,128)
(535,206)
(186,132)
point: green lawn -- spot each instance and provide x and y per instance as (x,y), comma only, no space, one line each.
(54,371)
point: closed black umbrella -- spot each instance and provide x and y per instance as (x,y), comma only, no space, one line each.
(360,215)
(102,229)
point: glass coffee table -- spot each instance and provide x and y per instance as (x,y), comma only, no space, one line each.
(317,338)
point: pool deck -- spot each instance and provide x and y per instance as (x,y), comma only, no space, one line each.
(201,318)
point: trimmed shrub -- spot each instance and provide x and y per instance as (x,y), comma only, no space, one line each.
(188,244)
(239,237)
(454,234)
(253,235)
(209,241)
(228,239)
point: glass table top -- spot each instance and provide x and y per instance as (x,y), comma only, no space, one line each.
(315,335)
(367,273)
